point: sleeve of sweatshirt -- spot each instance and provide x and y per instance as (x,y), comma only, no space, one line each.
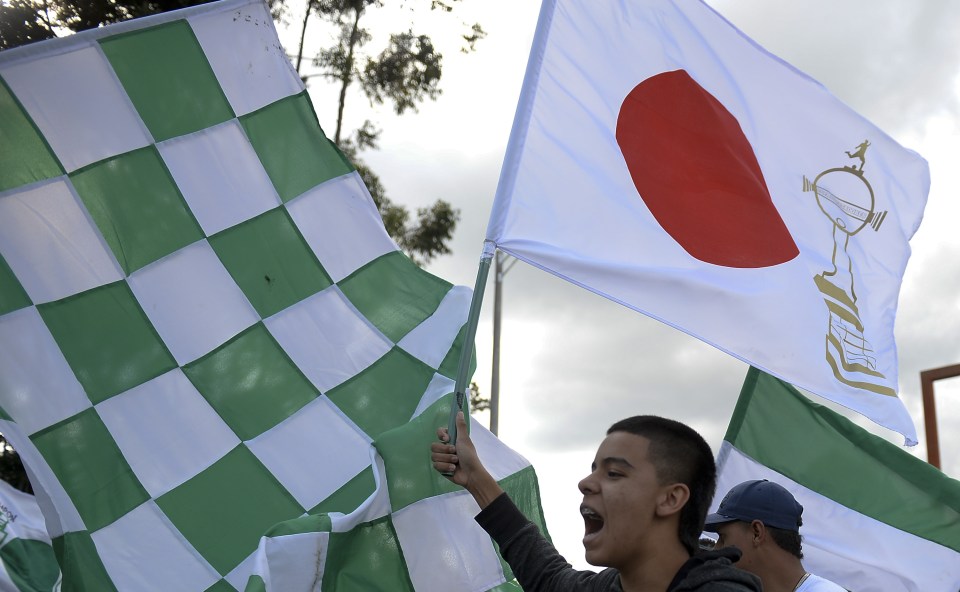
(536,563)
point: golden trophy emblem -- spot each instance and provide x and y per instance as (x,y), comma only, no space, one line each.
(846,198)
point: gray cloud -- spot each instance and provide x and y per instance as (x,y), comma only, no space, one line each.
(898,63)
(928,322)
(604,362)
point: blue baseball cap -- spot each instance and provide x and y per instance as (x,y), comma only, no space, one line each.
(761,500)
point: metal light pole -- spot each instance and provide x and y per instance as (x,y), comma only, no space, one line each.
(495,364)
(927,378)
(499,271)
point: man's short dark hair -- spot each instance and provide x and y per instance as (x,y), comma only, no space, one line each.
(788,540)
(680,455)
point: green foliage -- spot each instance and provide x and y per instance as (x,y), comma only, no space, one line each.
(11,467)
(477,401)
(406,72)
(22,22)
(26,21)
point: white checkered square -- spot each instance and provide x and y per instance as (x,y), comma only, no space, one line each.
(425,530)
(79,105)
(341,224)
(499,459)
(254,73)
(240,574)
(144,537)
(51,244)
(39,388)
(432,339)
(327,338)
(166,414)
(192,301)
(220,176)
(439,386)
(313,463)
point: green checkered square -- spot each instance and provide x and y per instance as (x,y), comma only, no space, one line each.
(225,509)
(270,261)
(25,156)
(414,293)
(524,491)
(349,497)
(12,295)
(168,79)
(251,382)
(366,557)
(88,462)
(222,586)
(107,340)
(80,563)
(137,207)
(293,149)
(409,478)
(384,395)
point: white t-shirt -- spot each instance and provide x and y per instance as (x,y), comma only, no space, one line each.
(815,583)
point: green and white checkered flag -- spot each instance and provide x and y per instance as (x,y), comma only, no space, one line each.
(206,333)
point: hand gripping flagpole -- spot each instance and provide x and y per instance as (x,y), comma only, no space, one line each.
(461,402)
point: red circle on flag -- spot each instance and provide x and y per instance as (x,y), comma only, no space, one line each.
(697,173)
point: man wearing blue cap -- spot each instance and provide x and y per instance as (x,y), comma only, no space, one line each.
(763,520)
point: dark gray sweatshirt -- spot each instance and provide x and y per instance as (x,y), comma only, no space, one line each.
(539,567)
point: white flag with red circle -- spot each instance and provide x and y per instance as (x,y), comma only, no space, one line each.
(662,159)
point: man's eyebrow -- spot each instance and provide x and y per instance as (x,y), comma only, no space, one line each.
(613,460)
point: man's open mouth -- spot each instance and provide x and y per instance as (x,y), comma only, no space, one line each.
(592,521)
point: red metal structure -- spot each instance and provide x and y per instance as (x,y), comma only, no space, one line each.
(927,378)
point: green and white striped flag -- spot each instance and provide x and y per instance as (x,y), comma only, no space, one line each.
(875,518)
(27,562)
(206,331)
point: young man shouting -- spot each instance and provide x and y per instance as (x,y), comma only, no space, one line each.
(644,504)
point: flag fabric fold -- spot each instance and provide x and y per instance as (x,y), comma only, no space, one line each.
(399,538)
(205,327)
(875,518)
(662,159)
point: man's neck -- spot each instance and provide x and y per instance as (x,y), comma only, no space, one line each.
(654,570)
(782,575)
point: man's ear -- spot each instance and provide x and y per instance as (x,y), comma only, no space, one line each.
(672,499)
(758,532)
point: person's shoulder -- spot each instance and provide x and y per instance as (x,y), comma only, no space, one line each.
(815,583)
(713,571)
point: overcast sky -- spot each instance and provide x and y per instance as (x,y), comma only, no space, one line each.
(573,363)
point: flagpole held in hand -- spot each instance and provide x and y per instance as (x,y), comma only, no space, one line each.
(460,401)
